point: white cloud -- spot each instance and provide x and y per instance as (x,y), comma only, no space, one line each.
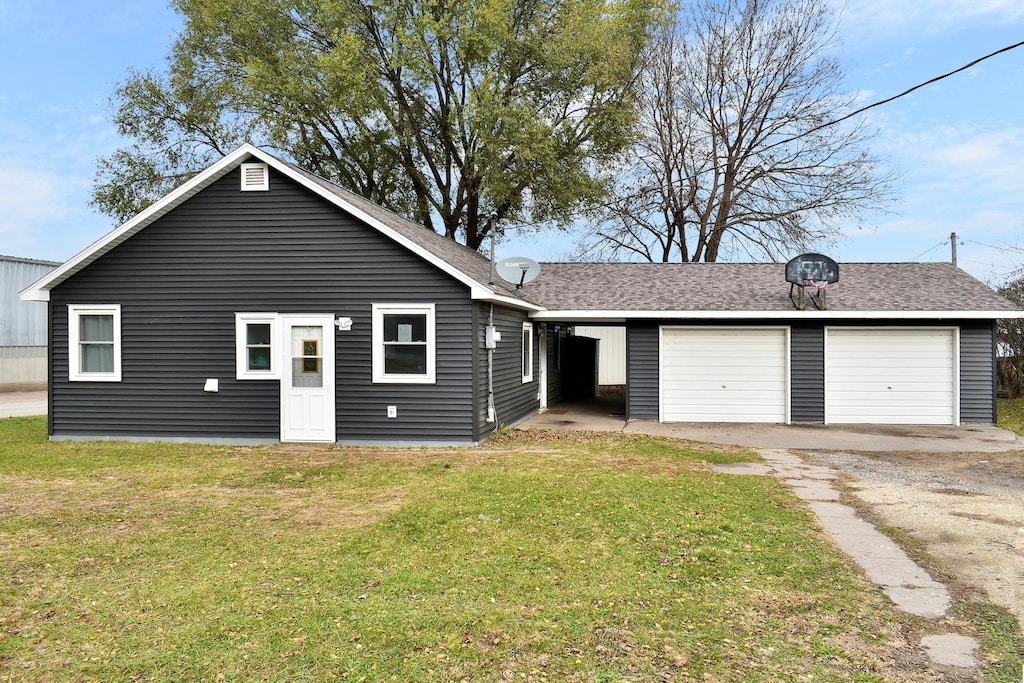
(873,18)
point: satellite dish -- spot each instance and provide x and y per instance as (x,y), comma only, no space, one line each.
(518,270)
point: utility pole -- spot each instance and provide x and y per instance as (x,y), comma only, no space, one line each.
(952,243)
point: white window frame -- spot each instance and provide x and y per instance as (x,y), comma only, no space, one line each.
(377,338)
(75,372)
(526,359)
(242,320)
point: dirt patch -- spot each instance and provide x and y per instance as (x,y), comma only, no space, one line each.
(967,509)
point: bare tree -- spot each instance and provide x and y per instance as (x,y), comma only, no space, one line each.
(733,157)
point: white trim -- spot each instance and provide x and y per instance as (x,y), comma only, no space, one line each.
(526,352)
(622,315)
(787,360)
(75,373)
(242,370)
(39,290)
(377,341)
(955,329)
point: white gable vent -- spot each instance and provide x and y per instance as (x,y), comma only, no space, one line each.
(255,177)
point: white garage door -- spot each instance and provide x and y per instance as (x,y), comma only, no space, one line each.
(886,376)
(724,375)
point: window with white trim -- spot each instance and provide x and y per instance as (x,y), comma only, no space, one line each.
(527,352)
(94,342)
(256,346)
(403,343)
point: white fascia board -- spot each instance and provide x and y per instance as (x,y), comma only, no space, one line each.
(489,296)
(623,315)
(40,289)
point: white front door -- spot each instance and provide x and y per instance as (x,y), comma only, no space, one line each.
(307,382)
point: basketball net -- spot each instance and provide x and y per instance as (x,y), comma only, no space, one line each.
(816,285)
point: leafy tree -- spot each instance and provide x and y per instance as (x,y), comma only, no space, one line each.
(734,154)
(448,111)
(1010,344)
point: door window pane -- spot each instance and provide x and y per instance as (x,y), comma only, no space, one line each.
(307,358)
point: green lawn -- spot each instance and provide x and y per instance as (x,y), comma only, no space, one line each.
(537,557)
(1011,414)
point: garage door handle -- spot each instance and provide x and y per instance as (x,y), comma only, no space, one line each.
(889,388)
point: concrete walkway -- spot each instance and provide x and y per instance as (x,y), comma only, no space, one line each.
(909,586)
(22,403)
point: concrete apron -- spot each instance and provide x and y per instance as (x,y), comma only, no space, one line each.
(909,586)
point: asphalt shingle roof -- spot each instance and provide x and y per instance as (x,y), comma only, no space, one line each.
(467,260)
(895,287)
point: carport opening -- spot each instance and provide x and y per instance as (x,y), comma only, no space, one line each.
(588,370)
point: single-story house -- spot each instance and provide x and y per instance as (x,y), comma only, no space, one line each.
(22,326)
(260,303)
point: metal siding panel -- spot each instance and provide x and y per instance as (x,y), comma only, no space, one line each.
(612,363)
(642,371)
(977,372)
(890,376)
(723,375)
(807,373)
(181,280)
(22,323)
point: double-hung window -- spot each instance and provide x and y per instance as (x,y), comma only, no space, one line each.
(403,343)
(94,342)
(527,352)
(256,344)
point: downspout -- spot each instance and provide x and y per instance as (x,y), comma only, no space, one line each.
(492,412)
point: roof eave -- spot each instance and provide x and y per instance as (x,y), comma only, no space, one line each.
(621,315)
(40,290)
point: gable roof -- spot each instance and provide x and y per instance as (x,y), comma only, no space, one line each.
(461,263)
(610,291)
(620,291)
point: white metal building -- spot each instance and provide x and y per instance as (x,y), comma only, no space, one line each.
(22,326)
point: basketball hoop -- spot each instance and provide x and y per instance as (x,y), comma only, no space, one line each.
(816,285)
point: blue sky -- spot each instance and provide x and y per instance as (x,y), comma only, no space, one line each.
(959,144)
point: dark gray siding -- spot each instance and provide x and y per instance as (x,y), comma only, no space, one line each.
(556,367)
(181,280)
(977,372)
(513,400)
(807,373)
(642,367)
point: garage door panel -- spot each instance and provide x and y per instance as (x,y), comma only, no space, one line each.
(733,375)
(887,376)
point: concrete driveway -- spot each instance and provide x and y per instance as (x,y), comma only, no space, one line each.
(21,403)
(607,414)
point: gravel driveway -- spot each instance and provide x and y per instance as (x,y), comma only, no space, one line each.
(968,509)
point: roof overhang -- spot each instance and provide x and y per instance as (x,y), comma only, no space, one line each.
(40,290)
(621,316)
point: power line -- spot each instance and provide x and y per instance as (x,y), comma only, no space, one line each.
(930,249)
(904,93)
